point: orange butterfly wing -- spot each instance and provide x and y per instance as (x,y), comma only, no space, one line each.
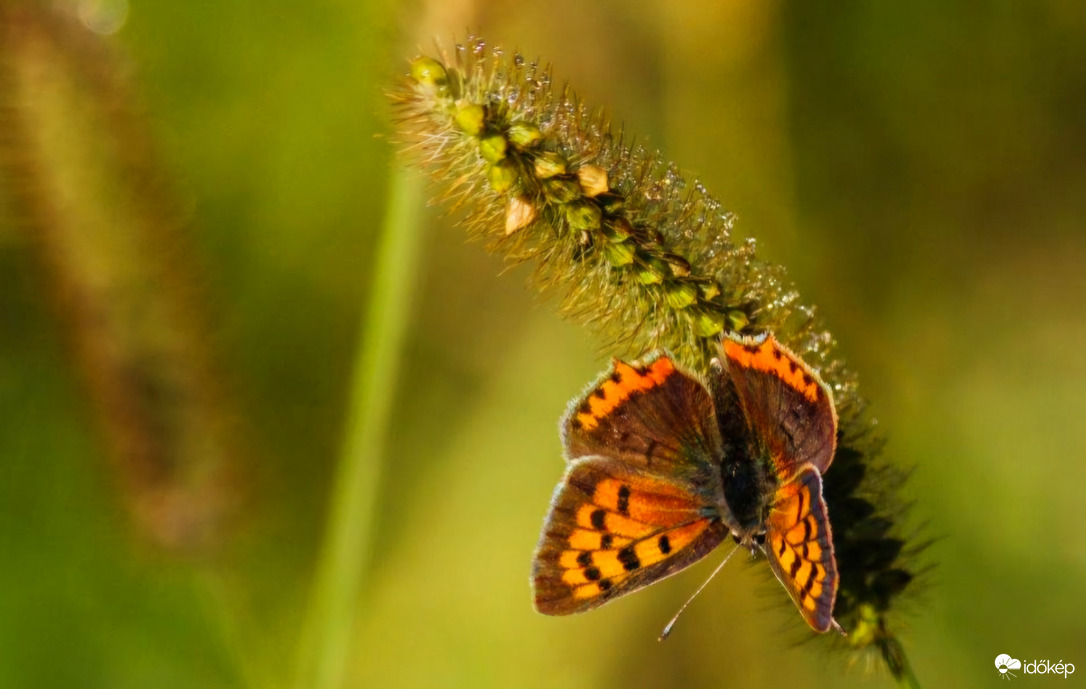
(786,404)
(652,416)
(641,498)
(799,545)
(614,529)
(790,411)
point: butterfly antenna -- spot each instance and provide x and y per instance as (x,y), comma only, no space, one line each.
(667,630)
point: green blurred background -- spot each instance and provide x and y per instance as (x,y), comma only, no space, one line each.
(919,168)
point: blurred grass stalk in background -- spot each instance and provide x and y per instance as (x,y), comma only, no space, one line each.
(352,510)
(80,177)
(85,192)
(341,572)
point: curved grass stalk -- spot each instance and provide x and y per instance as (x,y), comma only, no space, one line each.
(648,259)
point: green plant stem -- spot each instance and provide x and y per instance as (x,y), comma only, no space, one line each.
(894,655)
(907,679)
(348,537)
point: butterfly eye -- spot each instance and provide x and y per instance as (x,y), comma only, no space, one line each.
(759,538)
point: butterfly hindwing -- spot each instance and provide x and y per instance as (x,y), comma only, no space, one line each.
(649,415)
(614,528)
(787,405)
(799,546)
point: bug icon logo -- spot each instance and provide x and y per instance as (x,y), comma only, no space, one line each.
(1004,663)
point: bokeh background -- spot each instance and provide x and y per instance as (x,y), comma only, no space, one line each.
(920,168)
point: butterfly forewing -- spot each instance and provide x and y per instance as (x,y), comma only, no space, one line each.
(613,529)
(799,547)
(652,416)
(787,405)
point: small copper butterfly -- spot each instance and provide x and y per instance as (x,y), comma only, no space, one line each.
(661,469)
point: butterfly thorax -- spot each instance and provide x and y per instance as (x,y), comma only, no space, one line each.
(748,485)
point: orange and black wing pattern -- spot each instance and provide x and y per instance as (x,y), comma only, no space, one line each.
(642,496)
(786,404)
(799,546)
(615,528)
(650,415)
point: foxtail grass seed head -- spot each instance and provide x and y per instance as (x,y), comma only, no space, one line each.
(648,259)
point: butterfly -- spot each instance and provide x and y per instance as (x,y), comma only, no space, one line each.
(662,469)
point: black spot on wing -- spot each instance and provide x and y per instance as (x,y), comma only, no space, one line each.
(810,583)
(628,557)
(598,518)
(624,500)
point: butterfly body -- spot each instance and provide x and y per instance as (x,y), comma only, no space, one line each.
(746,485)
(662,469)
